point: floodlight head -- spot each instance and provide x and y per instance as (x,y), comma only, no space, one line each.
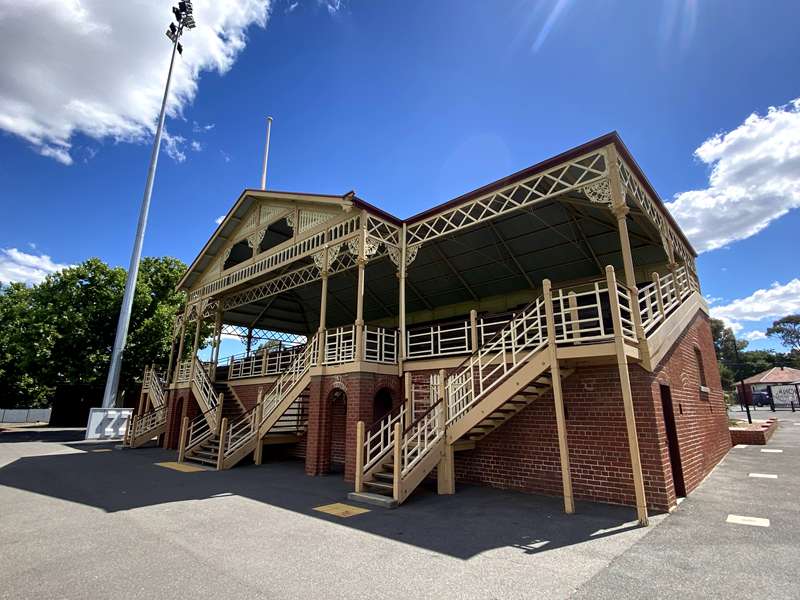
(171,36)
(189,22)
(177,12)
(180,48)
(172,28)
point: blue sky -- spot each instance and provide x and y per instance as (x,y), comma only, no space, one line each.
(409,107)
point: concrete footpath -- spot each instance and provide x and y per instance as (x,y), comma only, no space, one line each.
(736,536)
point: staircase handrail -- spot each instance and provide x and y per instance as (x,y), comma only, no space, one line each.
(523,336)
(200,428)
(420,436)
(155,388)
(379,438)
(150,420)
(208,394)
(239,432)
(296,371)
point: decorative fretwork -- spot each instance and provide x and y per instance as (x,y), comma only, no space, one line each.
(258,336)
(599,192)
(395,253)
(311,218)
(254,239)
(271,260)
(268,213)
(566,177)
(288,281)
(370,247)
(653,212)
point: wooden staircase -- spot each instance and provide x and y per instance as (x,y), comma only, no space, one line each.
(153,423)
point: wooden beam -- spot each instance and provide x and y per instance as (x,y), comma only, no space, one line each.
(510,254)
(464,284)
(582,235)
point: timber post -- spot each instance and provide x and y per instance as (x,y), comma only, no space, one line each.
(218,411)
(398,447)
(627,399)
(360,456)
(258,452)
(222,439)
(445,471)
(473,330)
(409,399)
(558,399)
(659,296)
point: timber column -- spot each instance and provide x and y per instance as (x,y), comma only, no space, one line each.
(558,400)
(323,307)
(627,399)
(362,264)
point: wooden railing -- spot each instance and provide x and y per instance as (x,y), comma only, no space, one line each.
(207,396)
(340,345)
(149,421)
(239,433)
(200,429)
(524,335)
(153,385)
(660,297)
(299,367)
(262,363)
(420,437)
(275,259)
(380,345)
(441,339)
(184,371)
(379,438)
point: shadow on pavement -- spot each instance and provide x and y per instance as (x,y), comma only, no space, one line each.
(472,521)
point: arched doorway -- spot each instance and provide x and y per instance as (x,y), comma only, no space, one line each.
(381,404)
(338,430)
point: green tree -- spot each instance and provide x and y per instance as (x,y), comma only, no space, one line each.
(787,330)
(62,330)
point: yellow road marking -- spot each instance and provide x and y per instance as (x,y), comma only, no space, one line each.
(339,509)
(182,467)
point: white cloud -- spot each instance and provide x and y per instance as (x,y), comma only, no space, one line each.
(292,6)
(173,146)
(196,146)
(98,68)
(16,265)
(774,302)
(755,179)
(225,156)
(198,128)
(333,6)
(752,336)
(219,219)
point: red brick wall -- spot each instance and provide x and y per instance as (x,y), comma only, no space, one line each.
(523,453)
(703,435)
(176,399)
(326,439)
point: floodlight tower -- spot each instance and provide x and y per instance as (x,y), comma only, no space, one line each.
(184,19)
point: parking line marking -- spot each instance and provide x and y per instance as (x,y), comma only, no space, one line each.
(771,450)
(101,450)
(763,475)
(740,446)
(752,521)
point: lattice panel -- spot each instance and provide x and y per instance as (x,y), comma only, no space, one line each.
(263,335)
(653,212)
(563,178)
(384,231)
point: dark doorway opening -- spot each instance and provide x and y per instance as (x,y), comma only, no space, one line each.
(381,404)
(338,430)
(672,442)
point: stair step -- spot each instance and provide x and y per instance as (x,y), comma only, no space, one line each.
(380,485)
(372,499)
(200,459)
(384,476)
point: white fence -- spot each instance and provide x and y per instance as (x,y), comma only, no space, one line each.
(25,415)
